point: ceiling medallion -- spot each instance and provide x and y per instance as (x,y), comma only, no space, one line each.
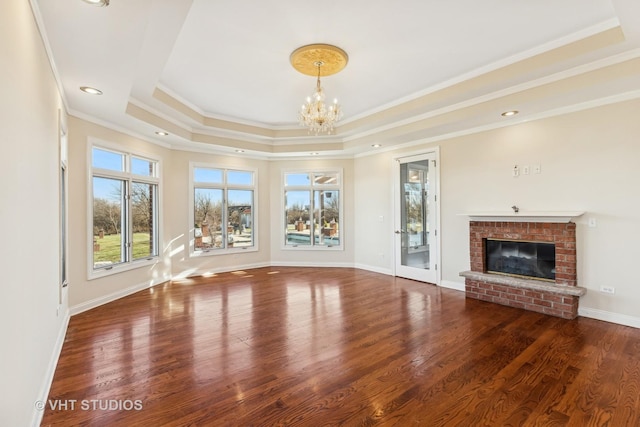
(319,60)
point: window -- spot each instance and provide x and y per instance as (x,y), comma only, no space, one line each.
(124,190)
(222,210)
(64,222)
(312,209)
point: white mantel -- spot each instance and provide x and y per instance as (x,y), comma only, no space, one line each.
(524,216)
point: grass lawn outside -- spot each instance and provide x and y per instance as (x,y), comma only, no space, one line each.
(111,248)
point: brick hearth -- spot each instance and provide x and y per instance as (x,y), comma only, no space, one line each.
(557,299)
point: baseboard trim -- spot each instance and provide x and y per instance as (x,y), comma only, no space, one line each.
(208,271)
(312,265)
(43,395)
(96,302)
(607,316)
(450,284)
(386,271)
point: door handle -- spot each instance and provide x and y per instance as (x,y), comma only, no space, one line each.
(399,231)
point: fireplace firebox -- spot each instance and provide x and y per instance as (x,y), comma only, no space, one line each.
(521,258)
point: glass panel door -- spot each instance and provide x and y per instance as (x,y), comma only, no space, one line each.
(415,225)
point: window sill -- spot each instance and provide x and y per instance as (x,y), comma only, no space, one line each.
(120,268)
(228,251)
(312,248)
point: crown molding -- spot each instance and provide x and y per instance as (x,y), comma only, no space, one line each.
(37,16)
(117,128)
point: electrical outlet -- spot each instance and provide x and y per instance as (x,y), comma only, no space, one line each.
(608,289)
(525,170)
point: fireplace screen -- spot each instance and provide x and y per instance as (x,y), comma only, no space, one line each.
(528,259)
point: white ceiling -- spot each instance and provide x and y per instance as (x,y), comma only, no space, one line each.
(229,60)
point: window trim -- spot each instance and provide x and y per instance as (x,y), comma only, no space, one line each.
(107,173)
(225,187)
(283,216)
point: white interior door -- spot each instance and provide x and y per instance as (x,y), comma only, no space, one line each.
(415,218)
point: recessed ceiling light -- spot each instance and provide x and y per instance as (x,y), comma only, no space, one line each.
(510,113)
(100,3)
(91,90)
(162,133)
(376,145)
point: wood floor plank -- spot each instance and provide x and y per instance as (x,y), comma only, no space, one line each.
(337,346)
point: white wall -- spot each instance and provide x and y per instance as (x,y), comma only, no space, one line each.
(32,331)
(588,163)
(373,183)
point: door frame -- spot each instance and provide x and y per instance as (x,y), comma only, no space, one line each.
(395,201)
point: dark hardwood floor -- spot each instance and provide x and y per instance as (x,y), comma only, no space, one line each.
(337,346)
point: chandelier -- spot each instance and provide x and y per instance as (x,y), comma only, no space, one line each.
(319,60)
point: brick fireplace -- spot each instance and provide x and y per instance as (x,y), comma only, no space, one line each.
(557,298)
